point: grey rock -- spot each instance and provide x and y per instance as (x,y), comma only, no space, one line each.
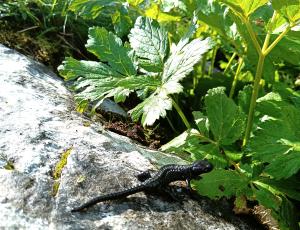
(38,124)
(110,106)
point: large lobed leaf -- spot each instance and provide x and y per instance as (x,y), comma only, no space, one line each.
(150,43)
(290,9)
(222,183)
(183,58)
(276,142)
(178,65)
(91,9)
(108,48)
(98,80)
(117,78)
(244,7)
(226,119)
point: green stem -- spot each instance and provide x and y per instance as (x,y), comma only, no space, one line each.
(181,114)
(230,62)
(213,58)
(268,36)
(237,73)
(266,49)
(255,90)
(252,34)
(274,43)
(171,125)
(203,65)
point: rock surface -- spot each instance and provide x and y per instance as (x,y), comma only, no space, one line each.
(52,159)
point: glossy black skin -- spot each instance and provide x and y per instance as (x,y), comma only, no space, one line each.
(166,175)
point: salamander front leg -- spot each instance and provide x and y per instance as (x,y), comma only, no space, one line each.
(143,176)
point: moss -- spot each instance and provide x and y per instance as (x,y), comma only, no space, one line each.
(58,169)
(55,187)
(9,166)
(61,163)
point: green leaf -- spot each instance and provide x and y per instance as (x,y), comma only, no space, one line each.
(202,123)
(290,9)
(222,183)
(212,14)
(244,7)
(155,12)
(290,187)
(276,141)
(282,208)
(209,151)
(135,2)
(180,142)
(287,50)
(244,98)
(198,145)
(226,119)
(108,48)
(183,57)
(179,64)
(150,43)
(91,9)
(122,21)
(98,80)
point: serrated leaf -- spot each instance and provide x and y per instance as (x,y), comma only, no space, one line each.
(181,141)
(198,145)
(98,80)
(155,12)
(135,2)
(267,195)
(290,44)
(122,22)
(178,65)
(290,187)
(90,73)
(152,108)
(212,14)
(282,208)
(244,7)
(222,183)
(201,122)
(108,48)
(91,9)
(183,58)
(226,119)
(277,140)
(244,98)
(150,43)
(209,151)
(290,9)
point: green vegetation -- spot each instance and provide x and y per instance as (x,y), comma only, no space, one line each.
(224,73)
(58,170)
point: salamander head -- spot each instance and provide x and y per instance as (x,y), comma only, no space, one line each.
(200,166)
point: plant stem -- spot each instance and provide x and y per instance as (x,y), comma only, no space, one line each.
(230,62)
(171,125)
(213,58)
(262,55)
(237,73)
(252,34)
(274,43)
(255,90)
(181,114)
(203,65)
